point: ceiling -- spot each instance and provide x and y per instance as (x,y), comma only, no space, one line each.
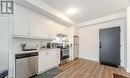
(88,9)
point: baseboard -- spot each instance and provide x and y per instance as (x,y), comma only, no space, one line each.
(47,69)
(89,59)
(128,70)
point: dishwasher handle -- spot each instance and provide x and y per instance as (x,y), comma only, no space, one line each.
(25,55)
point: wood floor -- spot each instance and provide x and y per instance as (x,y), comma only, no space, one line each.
(81,68)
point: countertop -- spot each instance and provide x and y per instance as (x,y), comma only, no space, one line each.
(43,49)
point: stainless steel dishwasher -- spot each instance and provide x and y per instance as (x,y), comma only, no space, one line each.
(26,65)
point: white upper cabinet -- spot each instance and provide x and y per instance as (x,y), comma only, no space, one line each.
(52,29)
(48,28)
(62,29)
(44,27)
(58,29)
(21,21)
(34,24)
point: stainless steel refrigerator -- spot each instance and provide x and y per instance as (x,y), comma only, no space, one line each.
(76,47)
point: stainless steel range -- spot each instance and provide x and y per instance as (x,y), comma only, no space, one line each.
(64,55)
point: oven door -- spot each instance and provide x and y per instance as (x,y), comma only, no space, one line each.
(64,54)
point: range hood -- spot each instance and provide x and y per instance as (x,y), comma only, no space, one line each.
(61,35)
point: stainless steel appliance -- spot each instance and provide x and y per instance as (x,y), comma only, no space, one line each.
(60,45)
(51,45)
(26,65)
(61,35)
(64,55)
(76,47)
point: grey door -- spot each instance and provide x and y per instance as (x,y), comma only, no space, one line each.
(109,46)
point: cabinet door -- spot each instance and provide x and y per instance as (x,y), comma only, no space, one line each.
(58,56)
(51,58)
(48,59)
(52,30)
(21,20)
(44,27)
(42,66)
(54,57)
(35,24)
(59,29)
(62,29)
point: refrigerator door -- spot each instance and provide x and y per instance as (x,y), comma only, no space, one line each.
(76,47)
(76,51)
(76,40)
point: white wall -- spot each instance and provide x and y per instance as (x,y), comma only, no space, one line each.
(89,39)
(3,43)
(88,47)
(125,41)
(128,39)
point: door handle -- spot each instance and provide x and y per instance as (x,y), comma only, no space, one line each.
(100,45)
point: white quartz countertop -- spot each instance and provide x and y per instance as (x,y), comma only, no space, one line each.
(37,50)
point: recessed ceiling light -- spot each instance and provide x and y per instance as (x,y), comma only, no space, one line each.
(72,11)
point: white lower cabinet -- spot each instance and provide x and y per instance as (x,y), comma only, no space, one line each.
(42,61)
(48,59)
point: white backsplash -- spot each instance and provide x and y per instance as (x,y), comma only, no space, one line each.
(15,45)
(30,44)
